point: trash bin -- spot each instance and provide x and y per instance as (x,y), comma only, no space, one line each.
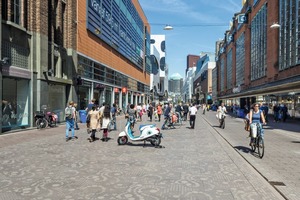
(82,116)
(241,113)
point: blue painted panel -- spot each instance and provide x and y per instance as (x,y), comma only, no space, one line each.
(120,28)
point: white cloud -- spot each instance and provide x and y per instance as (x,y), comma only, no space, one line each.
(199,11)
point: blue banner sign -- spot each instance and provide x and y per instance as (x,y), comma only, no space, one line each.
(118,24)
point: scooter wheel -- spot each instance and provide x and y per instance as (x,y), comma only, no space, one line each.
(122,140)
(156,141)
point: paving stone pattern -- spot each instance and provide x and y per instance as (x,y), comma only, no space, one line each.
(281,162)
(195,164)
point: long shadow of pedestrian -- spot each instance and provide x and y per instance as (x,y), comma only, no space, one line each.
(243,149)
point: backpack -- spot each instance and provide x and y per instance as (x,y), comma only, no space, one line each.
(69,112)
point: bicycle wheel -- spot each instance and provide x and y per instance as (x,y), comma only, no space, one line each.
(261,147)
(223,124)
(41,123)
(253,146)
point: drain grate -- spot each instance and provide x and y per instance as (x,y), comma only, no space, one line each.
(276,183)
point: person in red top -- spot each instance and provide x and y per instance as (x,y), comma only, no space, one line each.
(159,111)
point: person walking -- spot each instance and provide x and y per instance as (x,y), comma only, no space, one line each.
(150,111)
(159,111)
(69,116)
(93,115)
(76,117)
(204,108)
(113,111)
(185,111)
(284,111)
(139,111)
(193,112)
(88,109)
(106,116)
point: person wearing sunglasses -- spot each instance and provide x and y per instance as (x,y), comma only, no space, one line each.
(257,116)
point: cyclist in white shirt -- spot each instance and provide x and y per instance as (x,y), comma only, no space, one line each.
(221,110)
(193,112)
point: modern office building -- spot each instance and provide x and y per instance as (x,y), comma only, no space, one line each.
(159,75)
(191,61)
(203,83)
(175,83)
(259,61)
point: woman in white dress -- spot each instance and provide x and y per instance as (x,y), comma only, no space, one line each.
(106,117)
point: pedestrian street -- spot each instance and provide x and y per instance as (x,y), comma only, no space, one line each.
(193,164)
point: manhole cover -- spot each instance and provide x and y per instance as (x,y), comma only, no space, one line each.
(276,183)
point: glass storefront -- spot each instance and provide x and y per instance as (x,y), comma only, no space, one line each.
(53,99)
(15,103)
(83,97)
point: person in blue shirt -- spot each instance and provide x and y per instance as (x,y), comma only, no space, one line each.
(113,111)
(256,116)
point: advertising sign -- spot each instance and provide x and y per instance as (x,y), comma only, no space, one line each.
(118,24)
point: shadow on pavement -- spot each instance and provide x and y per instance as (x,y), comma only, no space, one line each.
(141,144)
(243,149)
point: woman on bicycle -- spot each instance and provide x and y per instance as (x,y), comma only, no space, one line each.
(257,116)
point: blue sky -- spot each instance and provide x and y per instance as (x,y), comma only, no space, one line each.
(197,24)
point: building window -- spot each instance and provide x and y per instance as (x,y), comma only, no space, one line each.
(222,75)
(240,60)
(4,10)
(63,13)
(289,36)
(259,44)
(16,11)
(229,69)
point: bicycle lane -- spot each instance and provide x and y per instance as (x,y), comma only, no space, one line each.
(280,165)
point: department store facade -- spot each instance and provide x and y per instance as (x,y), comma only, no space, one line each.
(256,63)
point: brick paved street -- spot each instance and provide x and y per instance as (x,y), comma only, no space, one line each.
(195,164)
(281,162)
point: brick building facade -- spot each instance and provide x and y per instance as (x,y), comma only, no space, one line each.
(62,50)
(39,39)
(256,63)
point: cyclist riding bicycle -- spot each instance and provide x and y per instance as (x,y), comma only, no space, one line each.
(221,111)
(256,116)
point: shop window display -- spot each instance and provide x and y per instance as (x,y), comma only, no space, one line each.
(15,103)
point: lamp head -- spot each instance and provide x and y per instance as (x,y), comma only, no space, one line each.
(275,25)
(168,28)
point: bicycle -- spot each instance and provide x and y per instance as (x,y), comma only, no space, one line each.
(257,142)
(222,120)
(43,120)
(167,123)
(179,119)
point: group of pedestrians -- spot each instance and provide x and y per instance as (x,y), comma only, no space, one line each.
(98,118)
(180,111)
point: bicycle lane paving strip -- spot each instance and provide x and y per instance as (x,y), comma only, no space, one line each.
(195,164)
(280,165)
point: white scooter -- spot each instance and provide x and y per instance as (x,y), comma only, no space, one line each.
(148,133)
